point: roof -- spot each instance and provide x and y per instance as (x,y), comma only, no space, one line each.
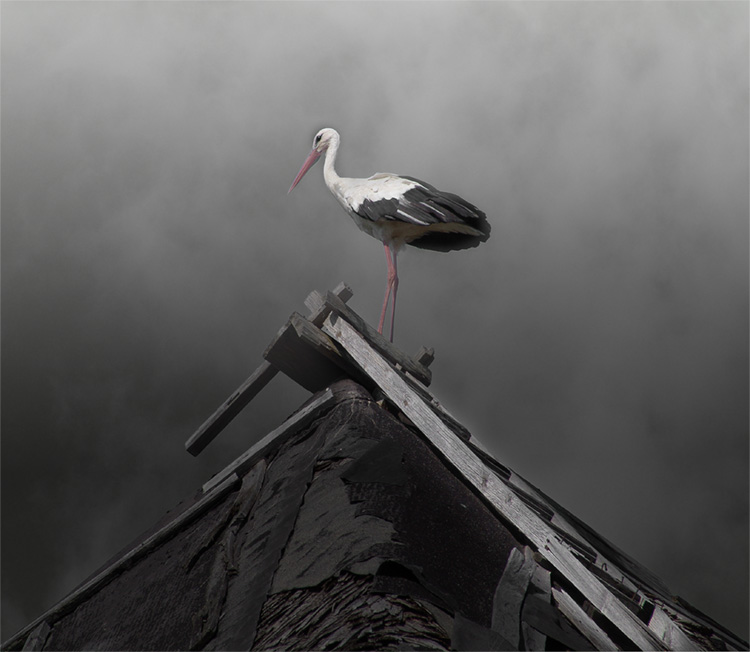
(369,519)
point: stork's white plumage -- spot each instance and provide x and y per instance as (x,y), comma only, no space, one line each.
(398,210)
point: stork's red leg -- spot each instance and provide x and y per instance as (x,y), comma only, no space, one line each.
(390,256)
(394,285)
(387,291)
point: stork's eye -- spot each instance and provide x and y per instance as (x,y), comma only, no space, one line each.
(317,139)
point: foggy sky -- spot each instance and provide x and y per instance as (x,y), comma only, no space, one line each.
(597,343)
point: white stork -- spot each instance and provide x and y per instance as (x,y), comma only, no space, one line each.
(397,211)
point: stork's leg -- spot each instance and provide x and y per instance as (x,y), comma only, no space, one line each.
(387,291)
(390,256)
(394,284)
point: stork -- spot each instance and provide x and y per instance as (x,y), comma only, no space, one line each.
(398,210)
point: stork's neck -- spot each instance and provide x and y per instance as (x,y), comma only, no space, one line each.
(329,173)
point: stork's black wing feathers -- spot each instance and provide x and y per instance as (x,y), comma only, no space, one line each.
(425,205)
(430,205)
(382,209)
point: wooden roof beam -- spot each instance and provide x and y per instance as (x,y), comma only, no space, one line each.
(498,495)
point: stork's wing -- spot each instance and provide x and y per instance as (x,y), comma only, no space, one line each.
(443,216)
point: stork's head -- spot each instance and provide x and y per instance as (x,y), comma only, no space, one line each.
(324,138)
(321,142)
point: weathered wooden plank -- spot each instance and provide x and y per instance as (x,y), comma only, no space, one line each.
(604,558)
(230,408)
(582,621)
(541,615)
(497,494)
(669,632)
(611,559)
(378,342)
(316,303)
(307,356)
(509,595)
(425,356)
(315,338)
(541,585)
(302,352)
(567,527)
(416,384)
(533,639)
(453,424)
(274,438)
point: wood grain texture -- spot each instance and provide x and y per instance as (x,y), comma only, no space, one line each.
(378,342)
(316,302)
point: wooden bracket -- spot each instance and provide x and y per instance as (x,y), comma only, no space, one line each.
(302,351)
(245,393)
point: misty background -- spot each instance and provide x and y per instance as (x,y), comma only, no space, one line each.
(597,343)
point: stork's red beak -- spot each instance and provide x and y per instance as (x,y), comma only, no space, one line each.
(309,162)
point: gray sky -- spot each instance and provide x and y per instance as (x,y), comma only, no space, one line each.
(597,343)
